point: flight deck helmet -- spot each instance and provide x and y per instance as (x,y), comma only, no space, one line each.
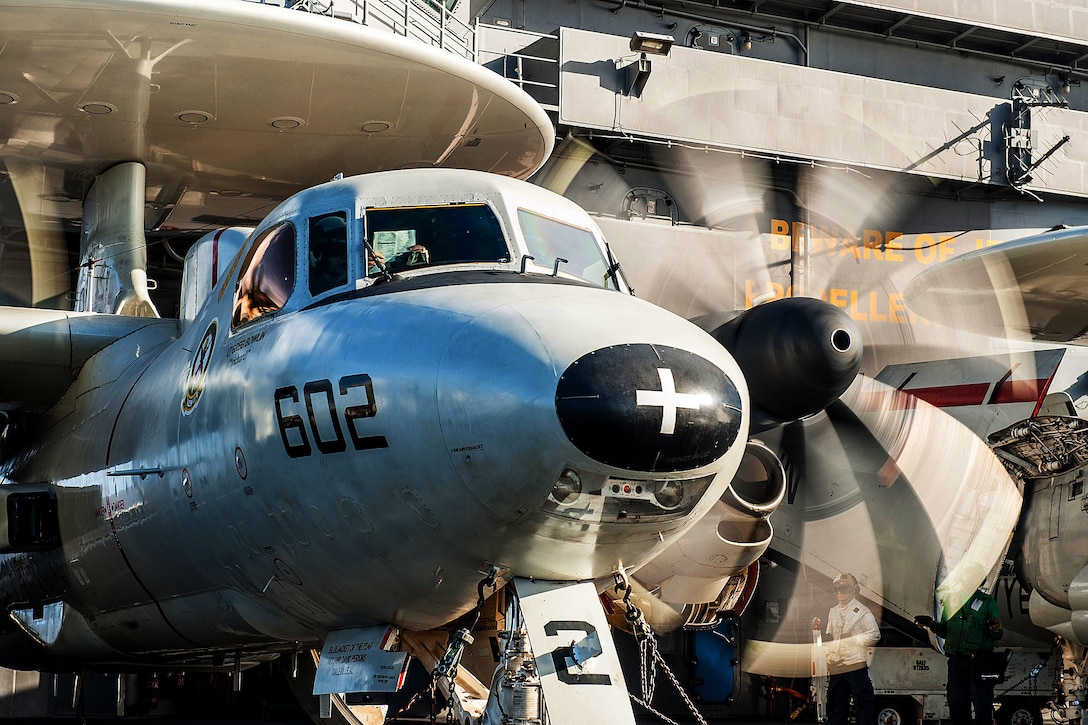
(846,583)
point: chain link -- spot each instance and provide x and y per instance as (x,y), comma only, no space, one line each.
(428,688)
(490,581)
(658,660)
(649,657)
(406,707)
(1032,675)
(650,708)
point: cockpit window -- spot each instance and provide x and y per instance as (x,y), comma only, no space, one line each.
(268,275)
(408,238)
(548,240)
(328,252)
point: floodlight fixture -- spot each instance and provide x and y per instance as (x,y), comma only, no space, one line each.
(651,43)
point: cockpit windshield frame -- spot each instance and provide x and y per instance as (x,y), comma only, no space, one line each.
(410,238)
(565,247)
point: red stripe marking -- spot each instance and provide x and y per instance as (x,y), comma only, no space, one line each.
(1020,391)
(1009,391)
(951,396)
(1045,389)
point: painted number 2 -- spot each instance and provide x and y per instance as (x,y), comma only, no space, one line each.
(321,404)
(562,657)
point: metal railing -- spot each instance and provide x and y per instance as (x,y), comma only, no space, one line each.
(428,21)
(532,64)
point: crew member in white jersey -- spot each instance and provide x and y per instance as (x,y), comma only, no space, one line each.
(851,630)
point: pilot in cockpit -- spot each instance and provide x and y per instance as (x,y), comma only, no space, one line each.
(418,256)
(414,256)
(411,257)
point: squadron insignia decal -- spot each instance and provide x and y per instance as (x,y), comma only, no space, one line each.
(198,370)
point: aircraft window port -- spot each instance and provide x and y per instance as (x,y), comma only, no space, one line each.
(328,252)
(549,239)
(268,275)
(408,238)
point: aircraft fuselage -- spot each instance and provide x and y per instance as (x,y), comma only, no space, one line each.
(368,453)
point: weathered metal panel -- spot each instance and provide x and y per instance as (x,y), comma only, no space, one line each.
(1065,19)
(722,100)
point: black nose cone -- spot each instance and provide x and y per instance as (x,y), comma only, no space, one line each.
(648,408)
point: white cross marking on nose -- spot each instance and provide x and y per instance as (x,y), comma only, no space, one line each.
(668,400)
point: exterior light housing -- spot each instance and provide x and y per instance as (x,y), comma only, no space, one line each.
(651,43)
(567,487)
(670,495)
(636,74)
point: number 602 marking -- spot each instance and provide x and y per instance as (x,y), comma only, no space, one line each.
(321,392)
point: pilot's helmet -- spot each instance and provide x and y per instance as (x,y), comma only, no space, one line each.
(332,228)
(846,583)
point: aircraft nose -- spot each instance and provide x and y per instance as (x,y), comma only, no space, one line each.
(652,408)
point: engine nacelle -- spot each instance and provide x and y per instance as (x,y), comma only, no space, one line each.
(716,554)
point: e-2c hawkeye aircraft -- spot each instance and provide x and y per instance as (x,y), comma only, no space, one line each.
(398,392)
(401,398)
(398,389)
